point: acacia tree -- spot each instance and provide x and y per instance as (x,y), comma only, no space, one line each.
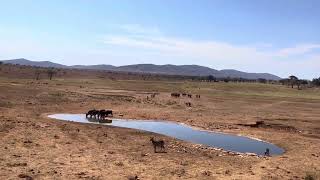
(293,81)
(262,80)
(211,78)
(37,74)
(316,81)
(298,83)
(304,82)
(51,73)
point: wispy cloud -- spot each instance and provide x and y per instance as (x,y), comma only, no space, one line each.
(255,57)
(135,43)
(299,49)
(213,50)
(185,47)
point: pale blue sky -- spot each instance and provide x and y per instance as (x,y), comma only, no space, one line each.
(280,37)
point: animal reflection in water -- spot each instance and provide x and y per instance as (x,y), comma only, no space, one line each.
(99,116)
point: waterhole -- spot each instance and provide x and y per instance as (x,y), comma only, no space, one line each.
(224,141)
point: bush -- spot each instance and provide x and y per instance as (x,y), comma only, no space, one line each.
(316,81)
(310,176)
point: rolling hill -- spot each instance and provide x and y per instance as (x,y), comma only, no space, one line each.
(190,70)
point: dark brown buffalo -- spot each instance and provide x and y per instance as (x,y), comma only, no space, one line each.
(92,113)
(175,95)
(104,113)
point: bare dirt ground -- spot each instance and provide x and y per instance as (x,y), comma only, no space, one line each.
(33,146)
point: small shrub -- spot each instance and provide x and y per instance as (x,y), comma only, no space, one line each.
(171,103)
(119,164)
(310,176)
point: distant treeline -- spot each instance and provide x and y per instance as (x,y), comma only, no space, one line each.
(300,83)
(49,73)
(211,78)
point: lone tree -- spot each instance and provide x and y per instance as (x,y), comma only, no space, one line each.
(211,78)
(293,81)
(262,80)
(51,72)
(305,82)
(37,74)
(316,81)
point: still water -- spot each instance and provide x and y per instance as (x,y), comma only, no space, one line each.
(183,132)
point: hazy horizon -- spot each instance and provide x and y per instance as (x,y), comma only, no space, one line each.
(280,38)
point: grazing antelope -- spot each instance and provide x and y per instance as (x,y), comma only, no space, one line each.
(156,144)
(189,95)
(198,96)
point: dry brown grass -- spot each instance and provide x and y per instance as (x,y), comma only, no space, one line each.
(42,148)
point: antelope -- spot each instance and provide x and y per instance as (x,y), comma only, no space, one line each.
(156,144)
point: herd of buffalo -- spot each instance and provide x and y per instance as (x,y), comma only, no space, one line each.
(99,114)
(183,94)
(177,95)
(102,114)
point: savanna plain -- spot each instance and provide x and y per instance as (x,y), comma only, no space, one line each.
(33,146)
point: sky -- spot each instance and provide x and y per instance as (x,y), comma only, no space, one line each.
(278,37)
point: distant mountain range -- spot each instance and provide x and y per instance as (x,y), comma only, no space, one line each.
(190,70)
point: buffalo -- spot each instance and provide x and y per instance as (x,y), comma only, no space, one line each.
(92,113)
(175,95)
(104,113)
(99,114)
